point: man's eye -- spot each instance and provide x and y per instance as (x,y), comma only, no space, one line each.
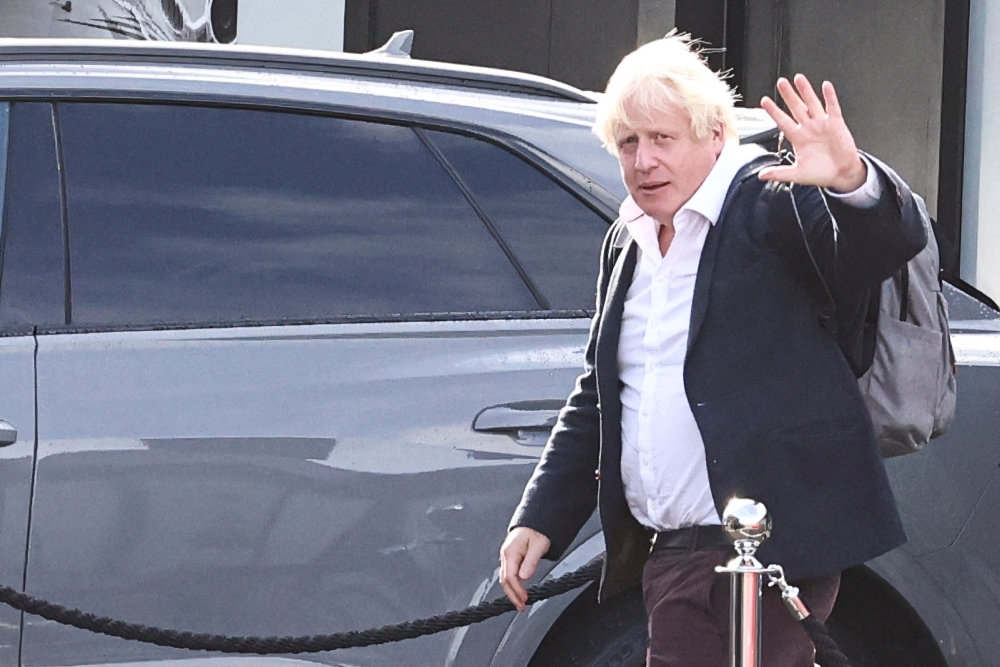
(626,141)
(662,137)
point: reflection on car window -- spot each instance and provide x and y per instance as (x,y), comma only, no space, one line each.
(555,237)
(186,215)
(32,285)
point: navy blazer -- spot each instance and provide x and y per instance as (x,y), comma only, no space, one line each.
(771,390)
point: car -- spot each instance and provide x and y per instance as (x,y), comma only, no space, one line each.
(284,332)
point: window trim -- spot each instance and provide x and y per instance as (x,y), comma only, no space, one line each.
(64,215)
(472,316)
(4,160)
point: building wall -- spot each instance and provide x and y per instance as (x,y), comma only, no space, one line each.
(574,41)
(884,57)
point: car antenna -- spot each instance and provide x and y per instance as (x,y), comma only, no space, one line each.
(398,46)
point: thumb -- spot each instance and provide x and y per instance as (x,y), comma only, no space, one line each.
(786,174)
(537,547)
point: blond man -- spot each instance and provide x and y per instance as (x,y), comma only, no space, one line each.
(710,372)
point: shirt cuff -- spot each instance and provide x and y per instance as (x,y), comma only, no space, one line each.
(867,195)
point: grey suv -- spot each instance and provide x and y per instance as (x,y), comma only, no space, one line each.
(283,334)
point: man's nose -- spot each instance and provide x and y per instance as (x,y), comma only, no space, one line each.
(643,156)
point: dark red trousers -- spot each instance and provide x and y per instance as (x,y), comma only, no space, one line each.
(688,607)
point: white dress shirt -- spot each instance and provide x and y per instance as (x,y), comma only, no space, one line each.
(663,455)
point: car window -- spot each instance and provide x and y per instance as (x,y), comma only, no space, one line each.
(32,275)
(182,214)
(553,235)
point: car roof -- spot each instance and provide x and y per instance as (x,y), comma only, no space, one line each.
(257,58)
(546,115)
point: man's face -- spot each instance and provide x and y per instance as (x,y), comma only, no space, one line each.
(662,163)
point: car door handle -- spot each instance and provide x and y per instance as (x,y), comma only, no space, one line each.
(8,434)
(528,421)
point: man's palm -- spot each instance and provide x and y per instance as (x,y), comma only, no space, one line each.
(825,152)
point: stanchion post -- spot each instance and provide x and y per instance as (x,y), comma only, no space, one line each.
(748,524)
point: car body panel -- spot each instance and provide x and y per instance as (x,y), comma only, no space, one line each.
(279,480)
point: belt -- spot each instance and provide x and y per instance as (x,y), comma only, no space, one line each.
(691,538)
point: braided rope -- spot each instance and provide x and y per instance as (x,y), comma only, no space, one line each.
(290,644)
(828,654)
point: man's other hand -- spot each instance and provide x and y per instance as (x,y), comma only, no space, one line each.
(519,558)
(825,152)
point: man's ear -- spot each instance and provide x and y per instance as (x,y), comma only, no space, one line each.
(717,137)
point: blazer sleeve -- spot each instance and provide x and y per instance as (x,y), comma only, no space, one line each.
(562,492)
(851,249)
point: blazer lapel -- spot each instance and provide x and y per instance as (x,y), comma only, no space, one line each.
(706,265)
(703,281)
(611,319)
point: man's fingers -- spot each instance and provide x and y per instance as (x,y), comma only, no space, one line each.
(809,96)
(510,564)
(515,593)
(519,558)
(800,112)
(832,101)
(784,122)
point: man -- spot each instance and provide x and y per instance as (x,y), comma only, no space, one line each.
(714,369)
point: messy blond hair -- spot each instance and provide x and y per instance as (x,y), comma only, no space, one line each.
(665,71)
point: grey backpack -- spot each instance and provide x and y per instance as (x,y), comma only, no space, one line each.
(910,387)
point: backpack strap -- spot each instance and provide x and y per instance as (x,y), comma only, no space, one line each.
(816,276)
(752,168)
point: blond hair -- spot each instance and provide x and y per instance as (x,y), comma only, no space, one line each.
(665,71)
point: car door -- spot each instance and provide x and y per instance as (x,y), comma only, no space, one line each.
(302,377)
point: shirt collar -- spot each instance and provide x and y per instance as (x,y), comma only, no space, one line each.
(711,195)
(709,198)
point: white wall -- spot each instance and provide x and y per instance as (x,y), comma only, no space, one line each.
(981,190)
(309,24)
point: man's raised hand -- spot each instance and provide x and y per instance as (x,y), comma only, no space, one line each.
(519,558)
(825,152)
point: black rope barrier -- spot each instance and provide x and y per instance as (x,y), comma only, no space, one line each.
(828,654)
(290,644)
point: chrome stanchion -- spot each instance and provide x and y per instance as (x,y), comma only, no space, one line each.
(748,524)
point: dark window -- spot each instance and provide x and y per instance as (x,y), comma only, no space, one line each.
(32,287)
(200,215)
(554,236)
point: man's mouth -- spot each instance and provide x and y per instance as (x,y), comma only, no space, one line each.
(649,188)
